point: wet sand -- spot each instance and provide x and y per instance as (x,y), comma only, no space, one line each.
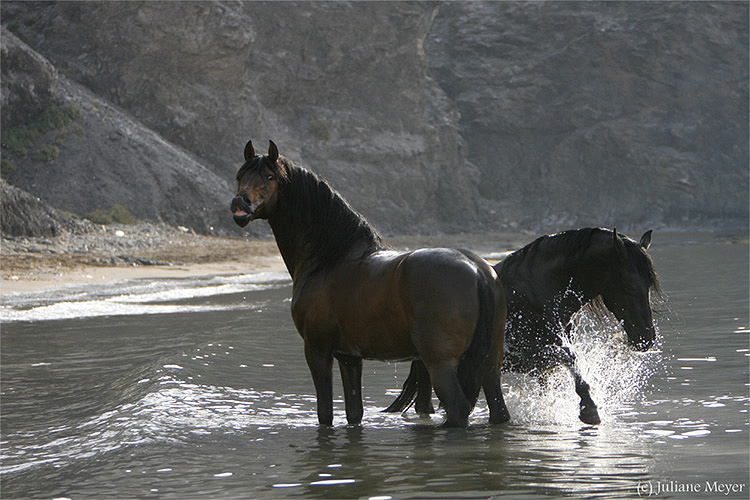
(115,253)
(119,252)
(95,274)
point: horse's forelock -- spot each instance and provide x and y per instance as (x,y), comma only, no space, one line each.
(250,164)
(279,167)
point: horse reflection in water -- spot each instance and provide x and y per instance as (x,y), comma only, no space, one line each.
(546,283)
(353,297)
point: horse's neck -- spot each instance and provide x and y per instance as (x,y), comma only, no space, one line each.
(312,241)
(584,278)
(291,247)
(560,285)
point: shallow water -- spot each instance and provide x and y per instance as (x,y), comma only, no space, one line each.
(198,388)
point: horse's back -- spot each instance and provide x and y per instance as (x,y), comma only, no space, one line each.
(440,273)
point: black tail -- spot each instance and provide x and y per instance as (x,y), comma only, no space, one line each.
(474,365)
(408,391)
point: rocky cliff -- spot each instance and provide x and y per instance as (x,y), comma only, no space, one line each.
(22,214)
(81,154)
(606,112)
(426,116)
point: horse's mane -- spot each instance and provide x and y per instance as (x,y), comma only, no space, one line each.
(569,244)
(332,226)
(572,245)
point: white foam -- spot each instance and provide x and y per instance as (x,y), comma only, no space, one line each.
(134,297)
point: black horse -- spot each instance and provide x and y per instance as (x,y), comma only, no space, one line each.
(353,297)
(548,281)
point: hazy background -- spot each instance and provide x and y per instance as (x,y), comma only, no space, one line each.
(428,116)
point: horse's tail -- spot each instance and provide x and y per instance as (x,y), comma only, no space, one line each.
(408,392)
(477,359)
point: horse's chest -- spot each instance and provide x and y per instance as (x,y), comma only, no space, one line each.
(311,312)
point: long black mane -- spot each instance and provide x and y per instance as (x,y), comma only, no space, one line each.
(573,245)
(333,229)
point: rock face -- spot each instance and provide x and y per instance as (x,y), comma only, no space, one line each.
(22,214)
(104,157)
(426,116)
(602,112)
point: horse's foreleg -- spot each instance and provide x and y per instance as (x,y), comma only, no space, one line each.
(351,377)
(448,390)
(588,411)
(320,362)
(493,391)
(423,403)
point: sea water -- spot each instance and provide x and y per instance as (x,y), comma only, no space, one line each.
(198,388)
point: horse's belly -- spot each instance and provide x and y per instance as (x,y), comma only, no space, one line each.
(378,338)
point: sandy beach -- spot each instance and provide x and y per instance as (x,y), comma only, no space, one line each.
(93,274)
(100,254)
(120,252)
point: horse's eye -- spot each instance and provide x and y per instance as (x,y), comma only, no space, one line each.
(270,177)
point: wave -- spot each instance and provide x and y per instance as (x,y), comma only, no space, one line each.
(133,297)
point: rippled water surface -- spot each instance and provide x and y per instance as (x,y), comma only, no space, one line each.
(198,388)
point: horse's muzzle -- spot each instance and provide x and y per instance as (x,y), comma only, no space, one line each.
(243,214)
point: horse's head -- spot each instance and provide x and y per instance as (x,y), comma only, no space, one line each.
(627,291)
(258,181)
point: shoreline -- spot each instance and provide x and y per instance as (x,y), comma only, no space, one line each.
(117,252)
(121,252)
(142,251)
(42,281)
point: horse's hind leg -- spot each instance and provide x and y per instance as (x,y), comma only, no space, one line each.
(493,392)
(448,390)
(351,377)
(588,412)
(320,362)
(423,404)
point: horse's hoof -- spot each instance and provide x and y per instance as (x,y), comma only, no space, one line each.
(455,424)
(502,418)
(589,415)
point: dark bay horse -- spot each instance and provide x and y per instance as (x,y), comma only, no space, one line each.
(355,298)
(548,281)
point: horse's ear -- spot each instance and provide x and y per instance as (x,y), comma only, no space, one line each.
(273,151)
(646,239)
(620,250)
(249,151)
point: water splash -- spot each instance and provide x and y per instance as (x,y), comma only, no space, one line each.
(617,375)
